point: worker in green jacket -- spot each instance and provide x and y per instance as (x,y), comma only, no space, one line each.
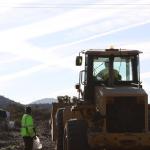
(27,129)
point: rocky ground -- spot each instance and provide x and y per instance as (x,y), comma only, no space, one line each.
(11,140)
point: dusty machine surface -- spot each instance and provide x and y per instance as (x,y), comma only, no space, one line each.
(111,111)
(149,117)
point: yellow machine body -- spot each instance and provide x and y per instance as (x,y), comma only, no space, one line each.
(108,115)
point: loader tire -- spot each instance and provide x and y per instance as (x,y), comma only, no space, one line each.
(76,135)
(60,129)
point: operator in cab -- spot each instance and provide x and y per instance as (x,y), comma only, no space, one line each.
(104,74)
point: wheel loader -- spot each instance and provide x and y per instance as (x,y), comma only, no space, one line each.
(110,112)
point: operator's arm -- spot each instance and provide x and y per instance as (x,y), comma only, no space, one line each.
(103,74)
(117,75)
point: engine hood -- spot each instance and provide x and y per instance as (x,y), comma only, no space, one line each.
(119,91)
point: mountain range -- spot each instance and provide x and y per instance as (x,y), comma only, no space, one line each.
(5,102)
(44,101)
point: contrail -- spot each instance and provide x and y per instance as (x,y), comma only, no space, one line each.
(101,35)
(22,73)
(40,67)
(45,27)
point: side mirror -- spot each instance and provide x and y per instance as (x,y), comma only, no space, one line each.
(78,60)
(77,86)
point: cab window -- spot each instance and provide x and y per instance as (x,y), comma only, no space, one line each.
(124,66)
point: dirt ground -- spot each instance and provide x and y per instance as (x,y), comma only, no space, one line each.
(11,140)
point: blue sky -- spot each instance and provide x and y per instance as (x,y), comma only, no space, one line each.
(40,39)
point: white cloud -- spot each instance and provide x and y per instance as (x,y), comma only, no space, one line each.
(11,60)
(69,20)
(50,58)
(7,5)
(58,23)
(56,63)
(55,24)
(22,73)
(143,46)
(112,20)
(145,75)
(65,21)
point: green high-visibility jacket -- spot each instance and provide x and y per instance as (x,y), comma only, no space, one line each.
(27,126)
(104,74)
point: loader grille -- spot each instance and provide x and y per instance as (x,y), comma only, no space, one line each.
(125,114)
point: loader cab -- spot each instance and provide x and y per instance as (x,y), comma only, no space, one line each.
(110,67)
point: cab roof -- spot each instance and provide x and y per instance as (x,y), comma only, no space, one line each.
(115,52)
